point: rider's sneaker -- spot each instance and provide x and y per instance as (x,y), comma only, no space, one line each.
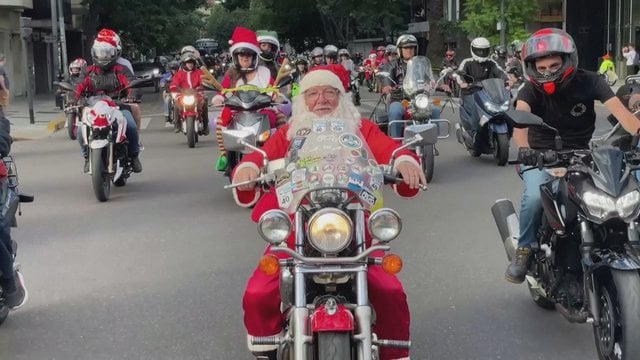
(221,164)
(205,129)
(136,165)
(86,166)
(517,269)
(17,298)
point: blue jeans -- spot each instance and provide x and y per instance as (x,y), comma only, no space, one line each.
(167,100)
(396,112)
(531,205)
(132,136)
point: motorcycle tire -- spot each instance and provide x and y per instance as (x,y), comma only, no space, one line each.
(334,346)
(100,179)
(72,128)
(191,131)
(619,328)
(428,162)
(501,148)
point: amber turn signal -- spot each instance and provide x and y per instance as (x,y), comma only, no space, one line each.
(392,264)
(436,102)
(405,103)
(269,264)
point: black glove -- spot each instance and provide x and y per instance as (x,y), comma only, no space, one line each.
(528,157)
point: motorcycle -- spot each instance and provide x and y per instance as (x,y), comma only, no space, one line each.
(354,88)
(493,137)
(71,109)
(103,130)
(586,259)
(10,200)
(416,86)
(323,282)
(245,102)
(189,119)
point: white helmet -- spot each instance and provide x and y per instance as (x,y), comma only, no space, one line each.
(480,49)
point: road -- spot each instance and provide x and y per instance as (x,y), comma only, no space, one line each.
(159,270)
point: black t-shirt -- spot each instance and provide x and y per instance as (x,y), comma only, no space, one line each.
(570,110)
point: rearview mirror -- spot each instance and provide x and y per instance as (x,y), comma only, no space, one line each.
(383,74)
(64,85)
(429,133)
(523,119)
(231,139)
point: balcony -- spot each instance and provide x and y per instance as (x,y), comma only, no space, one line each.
(16,4)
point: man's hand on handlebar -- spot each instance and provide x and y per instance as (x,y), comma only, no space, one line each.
(411,174)
(245,174)
(387,89)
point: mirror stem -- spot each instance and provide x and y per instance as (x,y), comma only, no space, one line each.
(265,159)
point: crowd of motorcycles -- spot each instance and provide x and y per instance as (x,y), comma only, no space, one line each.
(586,260)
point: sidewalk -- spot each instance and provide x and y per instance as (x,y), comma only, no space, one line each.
(48,117)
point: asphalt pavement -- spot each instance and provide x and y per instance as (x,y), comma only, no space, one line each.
(158,271)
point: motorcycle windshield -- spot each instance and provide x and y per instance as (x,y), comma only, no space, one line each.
(496,90)
(418,75)
(248,97)
(329,161)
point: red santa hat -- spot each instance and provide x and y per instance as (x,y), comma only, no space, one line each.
(334,75)
(243,38)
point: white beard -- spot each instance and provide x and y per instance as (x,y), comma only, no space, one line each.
(303,118)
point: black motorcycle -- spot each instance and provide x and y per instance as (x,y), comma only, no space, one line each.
(10,199)
(586,259)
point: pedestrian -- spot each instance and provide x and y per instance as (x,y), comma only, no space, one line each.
(4,85)
(629,52)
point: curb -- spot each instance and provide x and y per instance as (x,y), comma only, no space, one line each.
(55,125)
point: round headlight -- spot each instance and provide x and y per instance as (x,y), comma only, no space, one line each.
(274,226)
(384,225)
(330,230)
(156,71)
(189,100)
(422,101)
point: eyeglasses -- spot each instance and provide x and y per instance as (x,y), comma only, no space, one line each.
(329,94)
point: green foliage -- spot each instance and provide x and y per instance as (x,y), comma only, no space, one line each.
(481,16)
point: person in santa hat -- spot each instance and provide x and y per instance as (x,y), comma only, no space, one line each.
(244,71)
(323,99)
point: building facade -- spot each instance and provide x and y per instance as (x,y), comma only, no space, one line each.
(11,44)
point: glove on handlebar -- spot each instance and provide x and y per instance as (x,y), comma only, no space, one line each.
(528,157)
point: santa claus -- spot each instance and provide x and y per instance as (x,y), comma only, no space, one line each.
(323,99)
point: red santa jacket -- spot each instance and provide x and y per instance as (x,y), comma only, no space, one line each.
(277,146)
(186,80)
(97,82)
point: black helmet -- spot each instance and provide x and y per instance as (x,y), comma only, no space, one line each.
(547,42)
(500,51)
(301,60)
(173,65)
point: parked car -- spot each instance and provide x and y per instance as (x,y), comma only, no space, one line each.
(152,72)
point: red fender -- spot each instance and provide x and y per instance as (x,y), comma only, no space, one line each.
(341,320)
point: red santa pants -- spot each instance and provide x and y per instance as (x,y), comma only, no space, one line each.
(262,316)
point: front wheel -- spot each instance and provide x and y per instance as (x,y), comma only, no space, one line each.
(191,131)
(428,162)
(501,148)
(100,179)
(334,346)
(619,330)
(72,128)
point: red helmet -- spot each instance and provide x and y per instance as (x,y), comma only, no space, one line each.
(544,43)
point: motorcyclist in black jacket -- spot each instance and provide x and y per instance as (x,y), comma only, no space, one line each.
(475,69)
(13,289)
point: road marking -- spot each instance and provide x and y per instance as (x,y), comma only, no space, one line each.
(144,122)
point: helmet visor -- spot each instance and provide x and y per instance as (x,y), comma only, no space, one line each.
(103,52)
(481,52)
(546,44)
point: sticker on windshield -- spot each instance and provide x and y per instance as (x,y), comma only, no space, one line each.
(303,132)
(319,126)
(337,126)
(343,179)
(367,197)
(328,179)
(350,141)
(314,179)
(355,182)
(285,195)
(297,142)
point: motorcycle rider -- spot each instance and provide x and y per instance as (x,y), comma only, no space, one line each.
(478,67)
(173,66)
(330,54)
(391,55)
(324,95)
(302,67)
(563,96)
(407,46)
(76,70)
(107,77)
(14,291)
(347,63)
(269,50)
(500,56)
(245,70)
(514,66)
(317,57)
(190,77)
(370,65)
(449,60)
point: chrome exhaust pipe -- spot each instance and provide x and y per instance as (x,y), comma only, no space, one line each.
(508,226)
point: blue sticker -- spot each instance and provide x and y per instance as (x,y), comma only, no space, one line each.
(356,183)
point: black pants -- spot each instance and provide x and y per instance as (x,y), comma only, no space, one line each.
(6,256)
(632,69)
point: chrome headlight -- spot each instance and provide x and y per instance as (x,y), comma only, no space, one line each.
(274,226)
(188,100)
(422,102)
(505,106)
(384,225)
(493,108)
(330,230)
(603,206)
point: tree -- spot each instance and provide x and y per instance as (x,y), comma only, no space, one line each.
(481,17)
